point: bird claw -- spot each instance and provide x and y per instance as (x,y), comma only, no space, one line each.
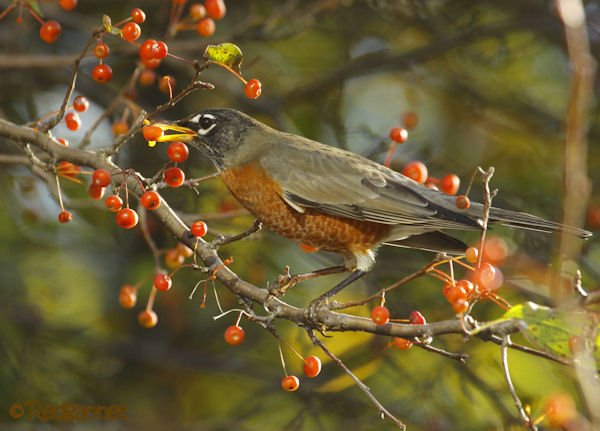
(312,312)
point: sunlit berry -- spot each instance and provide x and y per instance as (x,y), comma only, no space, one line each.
(199,229)
(380,315)
(138,15)
(197,11)
(102,73)
(253,89)
(206,27)
(72,121)
(416,318)
(162,282)
(50,31)
(148,318)
(215,8)
(450,184)
(398,134)
(127,296)
(416,171)
(166,84)
(101,177)
(131,32)
(401,343)
(81,104)
(150,200)
(127,218)
(68,4)
(65,216)
(114,203)
(312,366)
(463,202)
(234,335)
(178,152)
(96,192)
(173,177)
(101,50)
(290,383)
(472,254)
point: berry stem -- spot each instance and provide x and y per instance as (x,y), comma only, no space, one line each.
(7,11)
(151,298)
(32,12)
(60,199)
(237,322)
(178,58)
(217,298)
(282,359)
(390,154)
(229,69)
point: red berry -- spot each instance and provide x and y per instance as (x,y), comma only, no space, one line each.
(197,11)
(312,366)
(148,318)
(206,27)
(81,104)
(417,318)
(416,171)
(114,203)
(147,77)
(234,335)
(68,4)
(253,89)
(174,177)
(120,127)
(215,8)
(72,121)
(151,64)
(402,343)
(199,229)
(148,49)
(488,276)
(150,200)
(101,177)
(152,133)
(460,305)
(128,296)
(173,258)
(162,282)
(96,192)
(160,50)
(560,410)
(466,285)
(410,120)
(454,293)
(65,216)
(63,141)
(166,84)
(290,383)
(102,73)
(127,218)
(463,202)
(138,15)
(472,254)
(399,135)
(380,315)
(50,31)
(178,152)
(450,184)
(131,32)
(101,50)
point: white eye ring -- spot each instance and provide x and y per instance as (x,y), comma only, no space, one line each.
(197,119)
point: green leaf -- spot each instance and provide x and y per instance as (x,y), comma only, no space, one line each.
(107,23)
(553,329)
(35,6)
(225,54)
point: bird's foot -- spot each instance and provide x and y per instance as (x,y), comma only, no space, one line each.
(311,314)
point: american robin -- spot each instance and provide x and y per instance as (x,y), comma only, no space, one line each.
(330,198)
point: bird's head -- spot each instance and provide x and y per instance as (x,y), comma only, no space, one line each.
(228,137)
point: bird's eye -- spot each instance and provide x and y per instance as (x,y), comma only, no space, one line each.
(206,122)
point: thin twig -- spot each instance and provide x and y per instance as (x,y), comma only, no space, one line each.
(382,410)
(256,226)
(518,404)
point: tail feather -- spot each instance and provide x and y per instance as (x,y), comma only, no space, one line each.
(531,222)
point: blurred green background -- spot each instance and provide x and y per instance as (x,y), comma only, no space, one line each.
(489,81)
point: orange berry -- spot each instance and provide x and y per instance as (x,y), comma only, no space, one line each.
(127,218)
(184,250)
(253,89)
(131,32)
(67,4)
(560,410)
(312,366)
(152,133)
(197,11)
(454,293)
(488,276)
(450,184)
(101,50)
(380,315)
(215,8)
(463,202)
(166,84)
(50,31)
(416,171)
(102,73)
(410,120)
(472,254)
(199,229)
(401,343)
(65,216)
(72,121)
(234,335)
(173,177)
(120,127)
(147,77)
(290,383)
(128,296)
(173,258)
(138,15)
(460,306)
(114,203)
(162,282)
(96,192)
(150,200)
(148,318)
(495,250)
(399,135)
(206,27)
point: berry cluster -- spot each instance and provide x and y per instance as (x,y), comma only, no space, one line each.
(380,315)
(199,18)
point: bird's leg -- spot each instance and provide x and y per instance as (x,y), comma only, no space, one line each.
(313,308)
(286,281)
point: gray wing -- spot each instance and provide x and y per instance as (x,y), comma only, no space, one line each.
(345,184)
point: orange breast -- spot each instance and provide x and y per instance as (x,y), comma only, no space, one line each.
(256,191)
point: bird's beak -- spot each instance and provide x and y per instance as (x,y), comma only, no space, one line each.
(179,133)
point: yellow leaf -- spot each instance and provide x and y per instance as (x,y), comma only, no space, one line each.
(225,54)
